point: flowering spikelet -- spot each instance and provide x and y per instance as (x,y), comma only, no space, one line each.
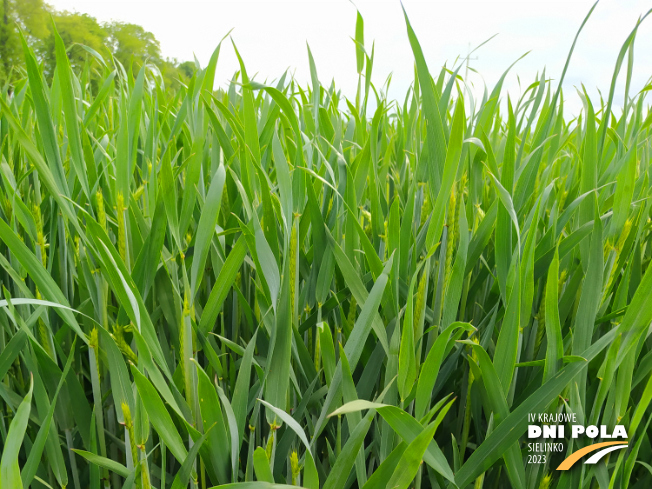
(479,481)
(452,231)
(562,279)
(145,475)
(623,235)
(44,337)
(365,215)
(420,308)
(8,210)
(270,441)
(122,231)
(139,191)
(464,191)
(545,482)
(77,250)
(317,349)
(387,179)
(562,199)
(426,208)
(40,239)
(129,426)
(225,206)
(123,346)
(474,357)
(606,248)
(479,215)
(386,240)
(187,347)
(94,343)
(294,464)
(101,212)
(361,216)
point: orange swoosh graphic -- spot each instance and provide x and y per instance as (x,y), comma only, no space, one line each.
(575,456)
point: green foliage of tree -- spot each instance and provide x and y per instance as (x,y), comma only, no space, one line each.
(28,16)
(187,68)
(76,30)
(129,44)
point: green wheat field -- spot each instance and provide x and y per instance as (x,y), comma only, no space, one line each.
(272,285)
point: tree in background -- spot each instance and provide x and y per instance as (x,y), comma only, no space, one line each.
(76,30)
(133,46)
(129,44)
(30,16)
(187,68)
(132,43)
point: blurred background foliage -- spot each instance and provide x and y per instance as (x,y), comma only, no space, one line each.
(84,37)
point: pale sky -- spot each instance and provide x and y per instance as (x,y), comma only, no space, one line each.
(271,37)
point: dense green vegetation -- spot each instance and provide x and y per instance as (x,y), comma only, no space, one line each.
(85,38)
(260,285)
